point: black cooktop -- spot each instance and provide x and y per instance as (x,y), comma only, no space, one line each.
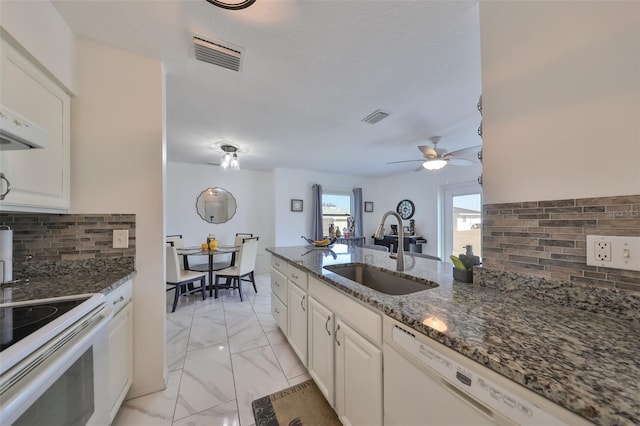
(18,322)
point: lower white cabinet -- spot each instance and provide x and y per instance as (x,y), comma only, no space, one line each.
(120,347)
(297,321)
(320,356)
(358,378)
(345,358)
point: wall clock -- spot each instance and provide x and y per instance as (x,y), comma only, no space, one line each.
(405,209)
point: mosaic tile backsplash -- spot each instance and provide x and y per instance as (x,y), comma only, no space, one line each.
(43,241)
(549,238)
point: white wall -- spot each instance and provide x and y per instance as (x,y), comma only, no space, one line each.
(253,191)
(423,188)
(41,31)
(561,99)
(116,167)
(288,183)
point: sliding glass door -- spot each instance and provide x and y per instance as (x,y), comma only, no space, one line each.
(462,219)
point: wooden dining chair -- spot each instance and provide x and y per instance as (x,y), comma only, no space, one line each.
(242,270)
(180,279)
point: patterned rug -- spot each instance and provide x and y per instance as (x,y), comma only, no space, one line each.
(299,405)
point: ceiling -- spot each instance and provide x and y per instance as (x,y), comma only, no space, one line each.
(311,71)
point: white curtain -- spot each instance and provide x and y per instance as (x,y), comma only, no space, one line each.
(357,210)
(316,212)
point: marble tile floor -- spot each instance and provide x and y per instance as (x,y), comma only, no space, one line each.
(221,355)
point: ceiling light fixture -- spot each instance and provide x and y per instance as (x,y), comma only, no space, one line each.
(229,159)
(436,164)
(232,4)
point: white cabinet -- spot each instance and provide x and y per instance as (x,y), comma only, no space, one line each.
(120,347)
(279,293)
(39,177)
(297,321)
(289,304)
(345,359)
(320,365)
(358,378)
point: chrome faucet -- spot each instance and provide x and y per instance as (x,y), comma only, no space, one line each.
(379,235)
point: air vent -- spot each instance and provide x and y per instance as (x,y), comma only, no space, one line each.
(375,116)
(216,53)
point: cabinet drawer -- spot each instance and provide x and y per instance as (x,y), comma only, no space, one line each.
(118,298)
(297,276)
(279,313)
(279,285)
(279,265)
(364,320)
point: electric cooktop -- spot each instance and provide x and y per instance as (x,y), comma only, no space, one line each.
(17,322)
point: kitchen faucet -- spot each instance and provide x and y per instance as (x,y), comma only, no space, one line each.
(379,235)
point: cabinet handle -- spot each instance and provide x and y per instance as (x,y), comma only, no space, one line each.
(294,276)
(115,302)
(277,284)
(335,336)
(326,325)
(277,310)
(301,303)
(4,194)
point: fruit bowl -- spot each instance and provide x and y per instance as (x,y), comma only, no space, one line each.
(325,243)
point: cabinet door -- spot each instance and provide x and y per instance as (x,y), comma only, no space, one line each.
(320,355)
(297,311)
(358,378)
(39,177)
(120,358)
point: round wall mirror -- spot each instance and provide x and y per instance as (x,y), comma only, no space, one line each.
(216,205)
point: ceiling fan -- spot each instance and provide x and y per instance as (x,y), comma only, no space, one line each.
(436,158)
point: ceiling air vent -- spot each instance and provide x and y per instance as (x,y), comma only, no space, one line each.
(375,116)
(217,53)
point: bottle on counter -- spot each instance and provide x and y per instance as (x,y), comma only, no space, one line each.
(332,231)
(338,233)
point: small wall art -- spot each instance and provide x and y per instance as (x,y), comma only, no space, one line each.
(296,205)
(368,206)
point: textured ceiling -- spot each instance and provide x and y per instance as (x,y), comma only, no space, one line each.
(311,71)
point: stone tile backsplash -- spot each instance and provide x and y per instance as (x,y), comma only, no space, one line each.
(52,238)
(548,238)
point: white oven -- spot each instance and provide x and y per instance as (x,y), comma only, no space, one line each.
(56,373)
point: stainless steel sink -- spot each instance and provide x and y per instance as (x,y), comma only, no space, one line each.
(382,280)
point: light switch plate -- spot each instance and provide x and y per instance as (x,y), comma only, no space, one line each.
(120,238)
(614,252)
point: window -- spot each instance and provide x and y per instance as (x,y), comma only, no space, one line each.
(336,208)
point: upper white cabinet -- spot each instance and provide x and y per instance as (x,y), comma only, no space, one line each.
(39,177)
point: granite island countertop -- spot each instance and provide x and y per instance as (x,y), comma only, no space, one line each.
(53,279)
(577,346)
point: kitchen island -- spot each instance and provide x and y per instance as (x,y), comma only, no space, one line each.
(577,346)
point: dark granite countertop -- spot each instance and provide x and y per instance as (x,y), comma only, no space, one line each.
(54,279)
(577,346)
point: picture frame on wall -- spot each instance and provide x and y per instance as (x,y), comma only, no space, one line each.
(368,206)
(296,205)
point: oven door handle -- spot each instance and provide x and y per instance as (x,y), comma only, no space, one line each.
(24,383)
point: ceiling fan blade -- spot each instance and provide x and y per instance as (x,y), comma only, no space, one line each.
(465,152)
(404,161)
(428,151)
(459,162)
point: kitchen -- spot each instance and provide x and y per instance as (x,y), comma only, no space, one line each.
(589,117)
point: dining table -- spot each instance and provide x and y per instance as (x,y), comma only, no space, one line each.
(210,253)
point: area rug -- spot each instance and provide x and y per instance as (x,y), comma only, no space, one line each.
(299,405)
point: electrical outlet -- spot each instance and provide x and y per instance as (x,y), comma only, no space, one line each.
(602,251)
(614,252)
(120,238)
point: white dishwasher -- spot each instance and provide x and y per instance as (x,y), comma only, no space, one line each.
(426,383)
